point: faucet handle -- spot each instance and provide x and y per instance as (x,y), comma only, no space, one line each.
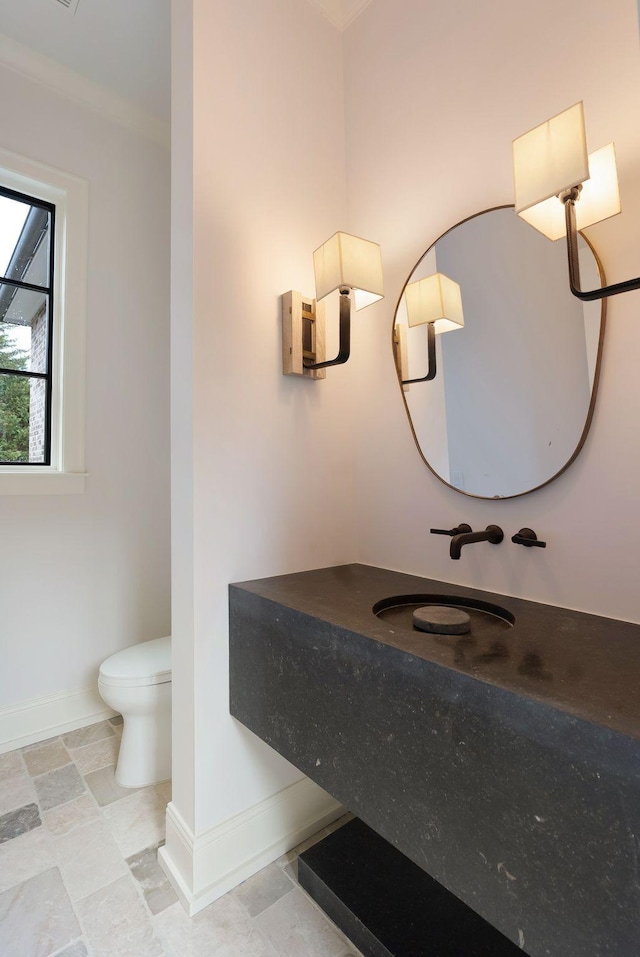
(458,530)
(528,538)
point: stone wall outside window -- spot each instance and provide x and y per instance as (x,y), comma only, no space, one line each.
(38,390)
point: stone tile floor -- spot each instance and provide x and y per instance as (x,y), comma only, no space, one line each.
(79,875)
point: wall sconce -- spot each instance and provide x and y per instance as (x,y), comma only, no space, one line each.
(437,302)
(346,263)
(552,169)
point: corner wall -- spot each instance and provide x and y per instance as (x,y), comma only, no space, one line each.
(435,93)
(262,464)
(87,574)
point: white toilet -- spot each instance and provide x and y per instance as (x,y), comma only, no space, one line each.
(137,683)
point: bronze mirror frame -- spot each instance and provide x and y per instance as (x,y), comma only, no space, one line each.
(596,375)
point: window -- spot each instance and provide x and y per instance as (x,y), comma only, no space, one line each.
(43,241)
(26,292)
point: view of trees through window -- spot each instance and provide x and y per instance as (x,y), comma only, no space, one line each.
(14,403)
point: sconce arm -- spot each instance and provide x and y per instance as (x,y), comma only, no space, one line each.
(569,198)
(431,356)
(344,344)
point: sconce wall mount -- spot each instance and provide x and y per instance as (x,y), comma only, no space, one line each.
(302,335)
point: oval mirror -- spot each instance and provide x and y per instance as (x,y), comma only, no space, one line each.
(507,360)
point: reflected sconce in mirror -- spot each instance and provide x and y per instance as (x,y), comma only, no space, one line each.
(346,263)
(436,302)
(561,189)
(497,436)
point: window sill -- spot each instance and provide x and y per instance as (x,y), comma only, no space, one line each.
(40,482)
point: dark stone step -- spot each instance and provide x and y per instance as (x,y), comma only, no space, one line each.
(387,905)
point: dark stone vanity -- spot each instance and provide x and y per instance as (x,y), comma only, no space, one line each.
(505,763)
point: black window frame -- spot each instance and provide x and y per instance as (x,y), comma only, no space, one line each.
(48,291)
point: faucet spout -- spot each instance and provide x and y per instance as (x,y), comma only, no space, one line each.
(492,533)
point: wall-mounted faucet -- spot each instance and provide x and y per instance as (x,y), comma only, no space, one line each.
(492,533)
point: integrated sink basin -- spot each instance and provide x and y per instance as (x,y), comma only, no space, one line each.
(475,638)
(486,618)
(505,762)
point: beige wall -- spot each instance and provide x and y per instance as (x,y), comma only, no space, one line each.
(262,464)
(85,575)
(435,93)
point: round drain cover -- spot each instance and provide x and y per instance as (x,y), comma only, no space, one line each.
(441,620)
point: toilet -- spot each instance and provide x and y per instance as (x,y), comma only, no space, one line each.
(137,683)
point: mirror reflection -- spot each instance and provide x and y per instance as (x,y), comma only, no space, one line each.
(499,379)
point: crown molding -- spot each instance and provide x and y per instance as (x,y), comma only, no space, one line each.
(352,9)
(331,9)
(340,12)
(60,79)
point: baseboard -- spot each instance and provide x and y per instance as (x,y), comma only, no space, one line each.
(42,718)
(203,868)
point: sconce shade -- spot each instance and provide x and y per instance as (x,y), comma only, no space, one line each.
(599,199)
(550,158)
(347,261)
(550,161)
(436,299)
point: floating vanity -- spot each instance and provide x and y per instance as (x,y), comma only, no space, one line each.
(504,762)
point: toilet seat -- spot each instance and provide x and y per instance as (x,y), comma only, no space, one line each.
(148,663)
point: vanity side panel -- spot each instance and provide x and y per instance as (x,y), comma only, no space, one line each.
(527,814)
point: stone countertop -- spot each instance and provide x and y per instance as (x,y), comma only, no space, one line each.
(504,763)
(584,665)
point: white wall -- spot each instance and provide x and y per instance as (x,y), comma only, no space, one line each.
(435,93)
(262,471)
(85,575)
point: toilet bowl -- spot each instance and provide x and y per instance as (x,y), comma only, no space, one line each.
(137,683)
